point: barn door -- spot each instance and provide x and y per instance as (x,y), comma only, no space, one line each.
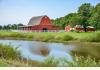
(45,30)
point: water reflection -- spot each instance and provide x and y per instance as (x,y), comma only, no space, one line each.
(87,49)
(39,51)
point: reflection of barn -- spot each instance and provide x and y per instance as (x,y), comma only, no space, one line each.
(40,23)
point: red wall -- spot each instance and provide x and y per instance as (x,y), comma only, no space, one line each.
(49,27)
(45,23)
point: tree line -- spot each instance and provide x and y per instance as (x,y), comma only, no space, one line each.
(87,15)
(10,26)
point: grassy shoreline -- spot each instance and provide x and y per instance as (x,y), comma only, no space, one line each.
(51,36)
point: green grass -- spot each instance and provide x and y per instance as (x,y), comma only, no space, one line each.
(78,61)
(3,64)
(18,63)
(52,36)
(7,52)
(81,61)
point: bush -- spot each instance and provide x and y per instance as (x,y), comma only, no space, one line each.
(67,37)
(57,37)
(47,38)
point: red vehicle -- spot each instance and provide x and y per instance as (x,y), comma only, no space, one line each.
(80,28)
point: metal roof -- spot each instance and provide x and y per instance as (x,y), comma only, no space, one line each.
(35,20)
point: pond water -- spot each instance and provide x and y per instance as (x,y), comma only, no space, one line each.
(32,49)
(39,51)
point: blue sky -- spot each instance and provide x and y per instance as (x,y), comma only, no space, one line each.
(20,11)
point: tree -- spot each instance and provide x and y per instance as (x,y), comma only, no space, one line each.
(86,15)
(95,17)
(74,20)
(85,12)
(14,26)
(0,27)
(20,24)
(4,27)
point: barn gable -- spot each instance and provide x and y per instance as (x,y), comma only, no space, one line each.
(36,20)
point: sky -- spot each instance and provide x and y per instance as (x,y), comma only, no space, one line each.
(20,11)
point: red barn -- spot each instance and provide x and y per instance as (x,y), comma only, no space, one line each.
(40,23)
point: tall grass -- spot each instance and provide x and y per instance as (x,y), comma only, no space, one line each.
(7,52)
(81,61)
(50,62)
(94,37)
(78,61)
(51,36)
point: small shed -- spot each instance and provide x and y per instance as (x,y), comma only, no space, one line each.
(68,28)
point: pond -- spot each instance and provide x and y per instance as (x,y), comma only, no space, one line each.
(34,50)
(39,51)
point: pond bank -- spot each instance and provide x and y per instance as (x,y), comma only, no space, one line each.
(59,37)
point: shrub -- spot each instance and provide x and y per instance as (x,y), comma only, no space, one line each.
(57,37)
(47,38)
(67,37)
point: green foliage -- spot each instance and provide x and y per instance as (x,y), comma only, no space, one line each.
(81,61)
(86,15)
(50,62)
(67,37)
(10,26)
(85,9)
(7,52)
(2,64)
(94,20)
(78,61)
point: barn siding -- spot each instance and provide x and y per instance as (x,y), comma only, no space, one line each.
(45,22)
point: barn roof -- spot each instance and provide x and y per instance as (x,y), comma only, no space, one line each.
(35,20)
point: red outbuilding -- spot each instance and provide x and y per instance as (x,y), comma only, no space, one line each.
(40,23)
(68,28)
